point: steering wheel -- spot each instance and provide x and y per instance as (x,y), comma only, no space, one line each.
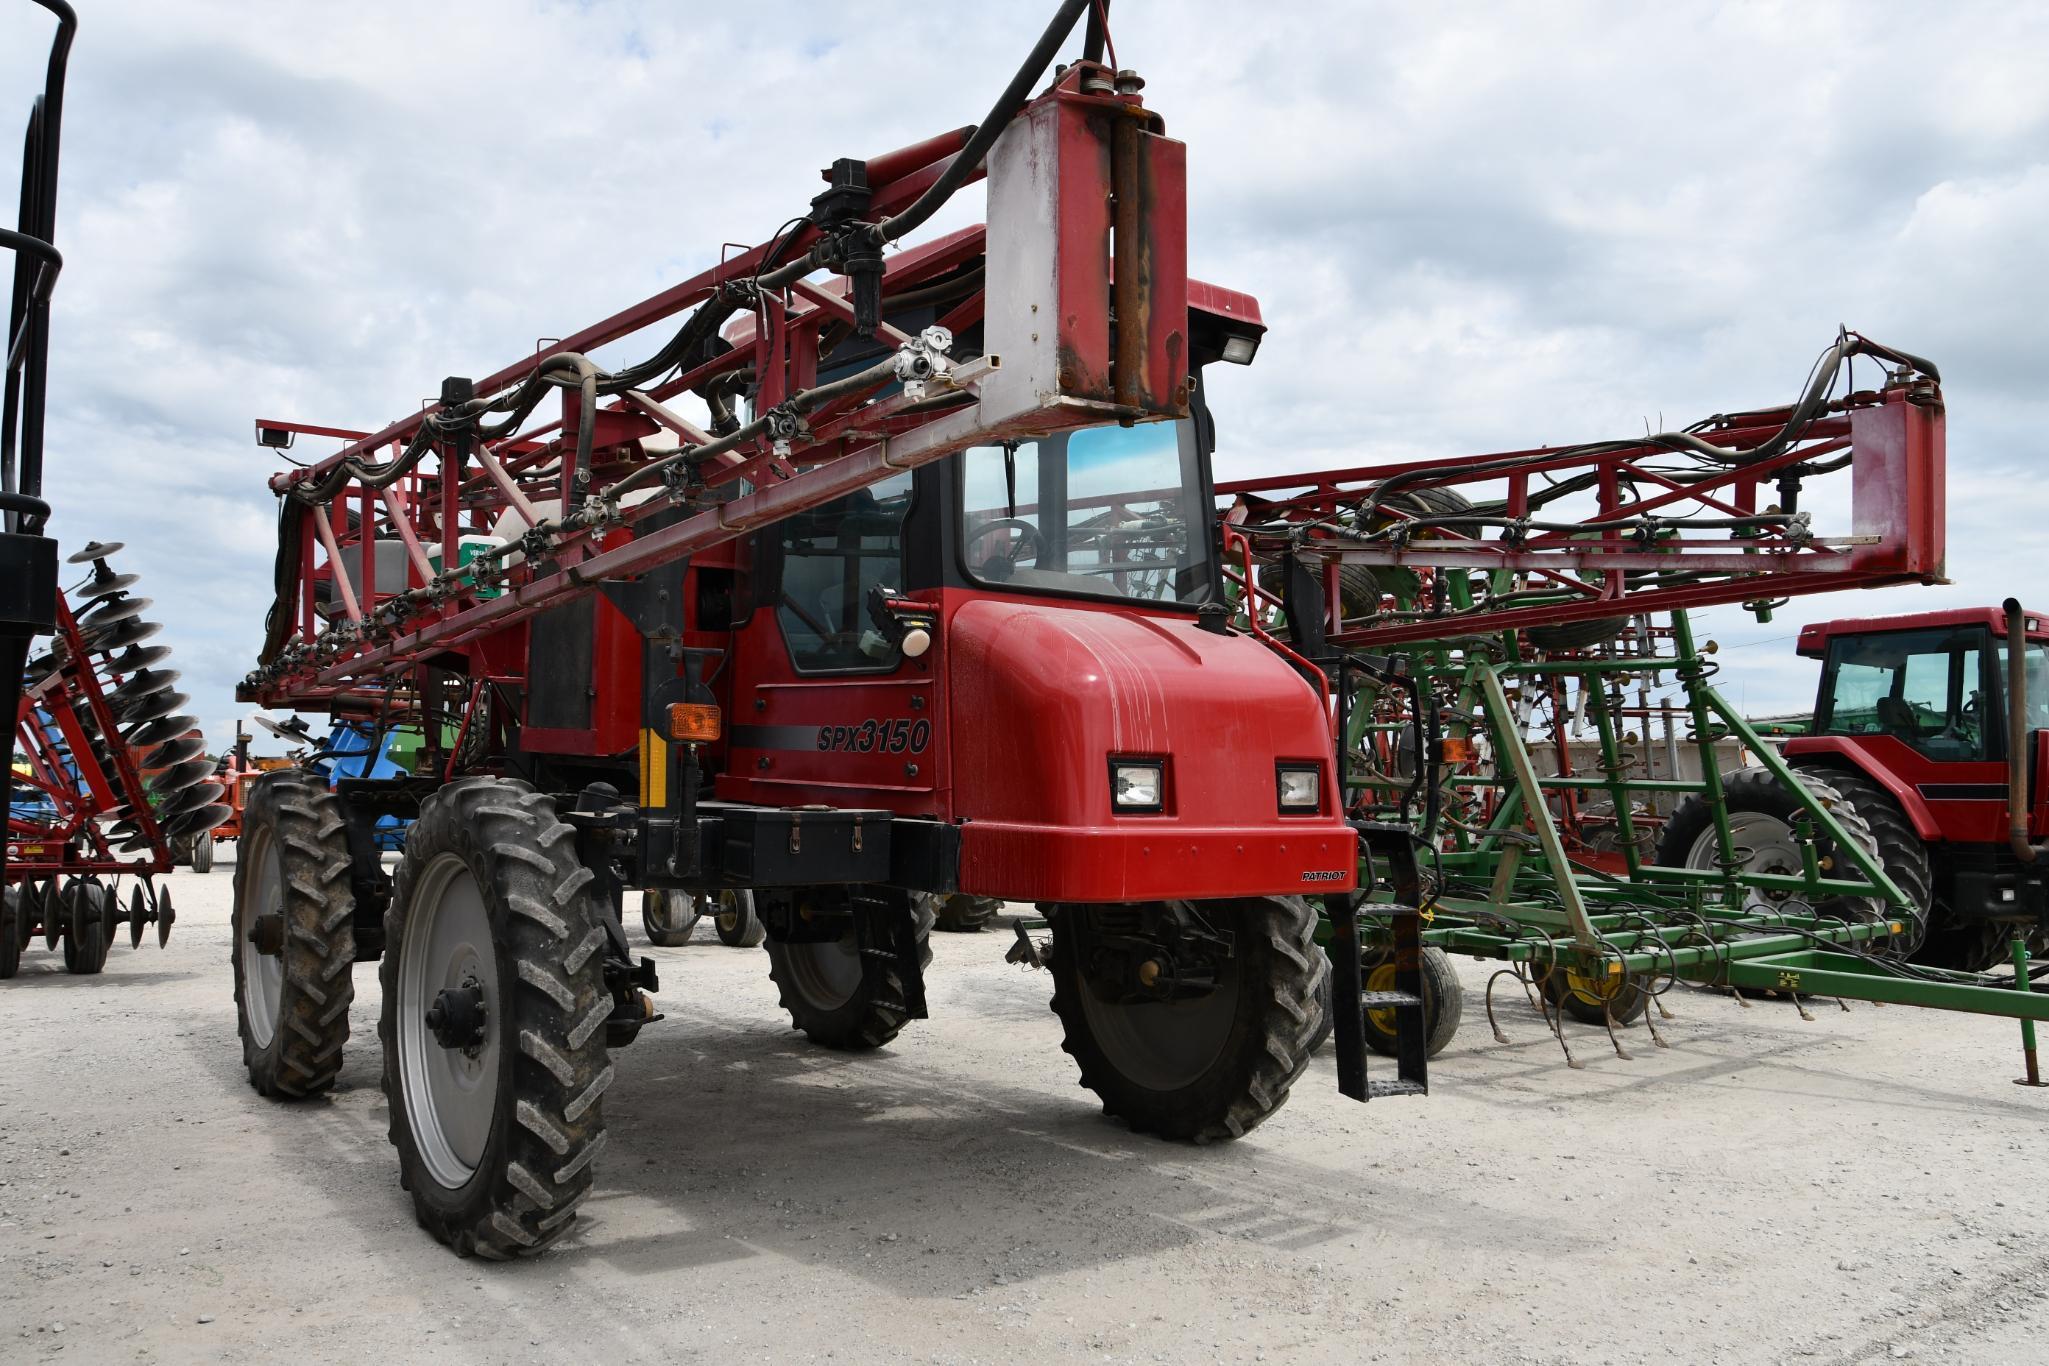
(1002,561)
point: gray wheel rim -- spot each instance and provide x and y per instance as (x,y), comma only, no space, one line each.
(1165,1045)
(263,976)
(731,908)
(670,911)
(829,975)
(1763,844)
(451,1095)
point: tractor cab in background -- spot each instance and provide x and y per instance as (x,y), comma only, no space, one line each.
(1918,725)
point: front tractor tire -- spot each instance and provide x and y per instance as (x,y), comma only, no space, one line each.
(1200,1068)
(493,1024)
(848,993)
(294,938)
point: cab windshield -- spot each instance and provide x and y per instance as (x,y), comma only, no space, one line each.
(1110,512)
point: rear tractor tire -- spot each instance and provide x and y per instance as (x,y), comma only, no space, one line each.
(959,913)
(1959,945)
(1761,820)
(1198,1068)
(493,1024)
(294,936)
(840,996)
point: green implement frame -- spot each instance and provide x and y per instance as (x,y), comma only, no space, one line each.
(1516,881)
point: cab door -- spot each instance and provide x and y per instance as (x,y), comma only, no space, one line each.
(825,709)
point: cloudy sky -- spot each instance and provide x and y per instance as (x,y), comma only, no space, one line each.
(1472,227)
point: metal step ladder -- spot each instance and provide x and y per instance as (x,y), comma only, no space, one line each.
(1389,851)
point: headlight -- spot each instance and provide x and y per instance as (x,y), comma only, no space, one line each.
(1300,787)
(1137,785)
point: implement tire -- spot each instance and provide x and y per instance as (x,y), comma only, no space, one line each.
(292,1007)
(837,995)
(495,1138)
(85,934)
(733,917)
(1444,1004)
(11,902)
(668,917)
(1209,1068)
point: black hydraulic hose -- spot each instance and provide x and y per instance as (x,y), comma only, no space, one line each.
(2017,734)
(965,161)
(1000,114)
(878,373)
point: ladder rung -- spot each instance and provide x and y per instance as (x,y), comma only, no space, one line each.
(1382,1000)
(1396,1087)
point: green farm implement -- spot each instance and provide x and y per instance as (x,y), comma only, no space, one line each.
(1541,771)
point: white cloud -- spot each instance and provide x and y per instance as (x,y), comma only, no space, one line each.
(1470,228)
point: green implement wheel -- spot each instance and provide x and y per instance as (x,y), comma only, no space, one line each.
(668,917)
(1444,1004)
(1590,999)
(493,1022)
(734,918)
(1207,1066)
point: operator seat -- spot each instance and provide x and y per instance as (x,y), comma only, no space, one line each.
(1896,717)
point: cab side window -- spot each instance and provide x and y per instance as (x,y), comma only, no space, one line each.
(831,558)
(1926,688)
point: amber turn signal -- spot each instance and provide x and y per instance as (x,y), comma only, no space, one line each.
(693,723)
(1454,749)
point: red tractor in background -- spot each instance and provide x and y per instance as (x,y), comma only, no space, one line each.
(1932,729)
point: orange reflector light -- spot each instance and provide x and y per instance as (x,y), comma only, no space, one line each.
(1454,749)
(693,723)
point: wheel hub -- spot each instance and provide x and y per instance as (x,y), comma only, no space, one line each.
(458,1016)
(267,933)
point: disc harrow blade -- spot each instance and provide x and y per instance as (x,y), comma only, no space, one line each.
(137,657)
(158,731)
(143,681)
(112,609)
(121,635)
(194,821)
(178,777)
(103,585)
(191,799)
(93,550)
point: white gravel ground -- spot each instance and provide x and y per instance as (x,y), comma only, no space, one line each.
(1766,1190)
